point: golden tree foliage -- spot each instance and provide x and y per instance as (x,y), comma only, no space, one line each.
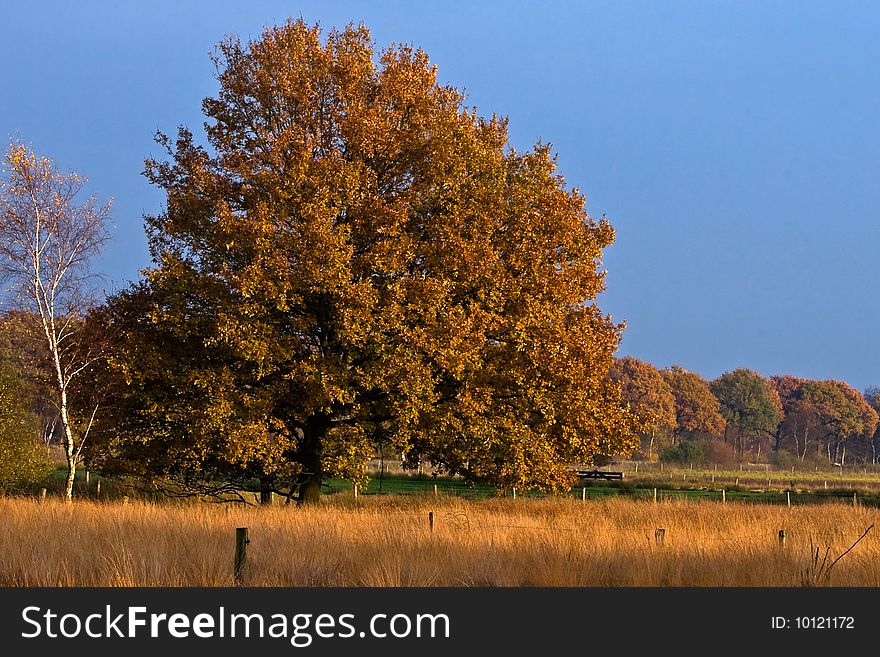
(696,408)
(358,258)
(646,392)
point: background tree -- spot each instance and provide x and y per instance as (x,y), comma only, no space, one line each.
(696,408)
(23,461)
(749,404)
(872,396)
(47,240)
(862,430)
(648,396)
(801,420)
(843,414)
(23,350)
(357,257)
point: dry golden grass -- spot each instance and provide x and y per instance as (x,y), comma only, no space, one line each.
(387,542)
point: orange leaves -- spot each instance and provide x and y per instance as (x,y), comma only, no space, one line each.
(371,262)
(646,392)
(696,408)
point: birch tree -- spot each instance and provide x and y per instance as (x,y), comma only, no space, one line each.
(48,238)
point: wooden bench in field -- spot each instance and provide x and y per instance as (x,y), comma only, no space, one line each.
(599,474)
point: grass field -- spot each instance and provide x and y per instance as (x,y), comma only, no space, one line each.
(386,541)
(683,483)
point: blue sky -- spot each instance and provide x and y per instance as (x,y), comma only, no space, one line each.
(735,146)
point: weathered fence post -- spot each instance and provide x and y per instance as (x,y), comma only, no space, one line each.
(241,543)
(781,538)
(42,493)
(98,489)
(435,490)
(788,497)
(655,496)
(514,493)
(431,520)
(659,536)
(584,494)
(723,495)
(854,499)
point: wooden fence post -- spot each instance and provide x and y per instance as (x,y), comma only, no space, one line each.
(431,520)
(659,536)
(98,489)
(781,538)
(514,493)
(788,497)
(42,493)
(723,495)
(241,543)
(355,491)
(435,490)
(584,494)
(655,496)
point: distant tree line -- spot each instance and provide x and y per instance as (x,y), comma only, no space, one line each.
(742,416)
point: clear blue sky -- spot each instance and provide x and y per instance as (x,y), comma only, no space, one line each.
(735,146)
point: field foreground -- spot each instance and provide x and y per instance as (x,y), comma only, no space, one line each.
(388,542)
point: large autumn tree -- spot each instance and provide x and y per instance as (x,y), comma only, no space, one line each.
(357,257)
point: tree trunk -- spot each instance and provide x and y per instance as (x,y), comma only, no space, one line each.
(265,490)
(310,458)
(69,448)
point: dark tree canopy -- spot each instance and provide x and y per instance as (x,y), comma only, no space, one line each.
(358,258)
(23,459)
(749,404)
